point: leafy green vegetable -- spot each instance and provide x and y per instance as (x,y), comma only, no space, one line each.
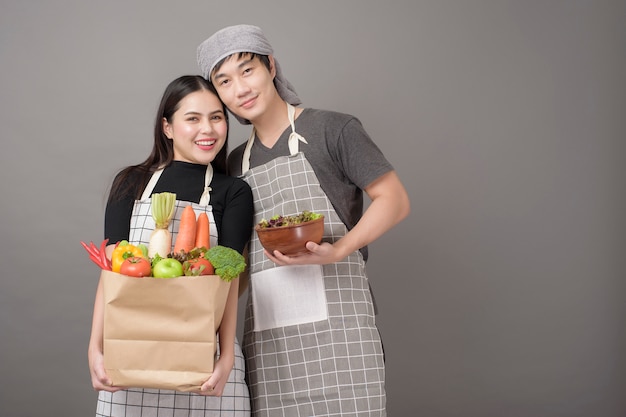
(279,220)
(228,263)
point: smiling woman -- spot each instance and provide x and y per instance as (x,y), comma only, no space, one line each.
(188,165)
(198,128)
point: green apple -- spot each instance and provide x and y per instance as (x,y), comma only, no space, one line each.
(167,268)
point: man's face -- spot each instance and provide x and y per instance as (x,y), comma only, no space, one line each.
(245,85)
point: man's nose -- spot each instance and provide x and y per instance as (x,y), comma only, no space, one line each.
(241,87)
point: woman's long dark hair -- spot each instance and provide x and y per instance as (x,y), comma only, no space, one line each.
(163,150)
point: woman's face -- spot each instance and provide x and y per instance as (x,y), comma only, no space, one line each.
(198,128)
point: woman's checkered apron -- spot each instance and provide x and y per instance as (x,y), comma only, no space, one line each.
(321,368)
(138,402)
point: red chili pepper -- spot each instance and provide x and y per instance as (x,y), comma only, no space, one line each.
(89,249)
(103,254)
(98,256)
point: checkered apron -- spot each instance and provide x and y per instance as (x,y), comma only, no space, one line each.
(331,367)
(139,402)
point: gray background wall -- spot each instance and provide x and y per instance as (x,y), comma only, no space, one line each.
(501,295)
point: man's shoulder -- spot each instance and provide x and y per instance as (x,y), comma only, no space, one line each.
(331,120)
(325,114)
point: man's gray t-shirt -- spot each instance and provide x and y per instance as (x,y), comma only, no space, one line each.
(342,154)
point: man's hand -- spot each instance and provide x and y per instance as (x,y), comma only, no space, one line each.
(322,254)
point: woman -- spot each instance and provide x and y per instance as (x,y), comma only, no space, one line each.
(188,158)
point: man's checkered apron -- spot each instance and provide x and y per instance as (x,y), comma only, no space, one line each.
(138,402)
(321,368)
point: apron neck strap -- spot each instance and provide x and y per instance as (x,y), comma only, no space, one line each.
(294,137)
(150,186)
(294,140)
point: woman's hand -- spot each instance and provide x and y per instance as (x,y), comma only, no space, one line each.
(214,386)
(99,379)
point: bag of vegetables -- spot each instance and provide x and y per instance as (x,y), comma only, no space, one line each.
(162,310)
(161,333)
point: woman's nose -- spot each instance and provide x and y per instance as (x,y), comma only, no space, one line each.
(206,125)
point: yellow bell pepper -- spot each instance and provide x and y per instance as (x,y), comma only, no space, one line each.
(123,251)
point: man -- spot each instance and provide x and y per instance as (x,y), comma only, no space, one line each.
(310,340)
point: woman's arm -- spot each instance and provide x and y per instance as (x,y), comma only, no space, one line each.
(119,210)
(238,223)
(99,379)
(235,230)
(238,217)
(227,332)
(244,277)
(116,227)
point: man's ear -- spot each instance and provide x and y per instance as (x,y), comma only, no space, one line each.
(272,66)
(167,129)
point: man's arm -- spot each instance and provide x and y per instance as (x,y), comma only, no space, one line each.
(390,205)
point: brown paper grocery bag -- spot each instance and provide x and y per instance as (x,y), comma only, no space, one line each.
(161,333)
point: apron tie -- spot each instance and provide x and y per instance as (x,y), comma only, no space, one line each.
(206,194)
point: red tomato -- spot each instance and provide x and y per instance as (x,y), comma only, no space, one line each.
(136,266)
(193,266)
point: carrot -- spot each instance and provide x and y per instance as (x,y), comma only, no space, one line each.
(202,231)
(186,237)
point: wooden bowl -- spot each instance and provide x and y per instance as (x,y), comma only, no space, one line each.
(291,240)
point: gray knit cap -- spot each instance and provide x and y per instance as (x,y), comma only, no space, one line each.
(242,38)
